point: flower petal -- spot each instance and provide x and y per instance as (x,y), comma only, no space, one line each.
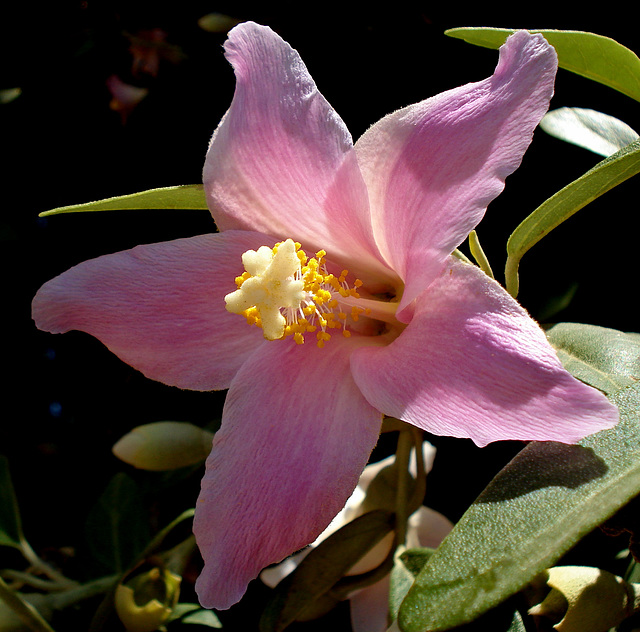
(446,158)
(295,436)
(160,308)
(473,364)
(282,161)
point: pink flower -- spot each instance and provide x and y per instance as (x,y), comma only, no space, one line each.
(442,347)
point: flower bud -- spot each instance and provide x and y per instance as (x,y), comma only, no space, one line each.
(164,445)
(585,599)
(144,601)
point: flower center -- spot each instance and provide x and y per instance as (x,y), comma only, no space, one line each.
(289,294)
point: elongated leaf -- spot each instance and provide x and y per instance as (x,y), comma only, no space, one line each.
(10,522)
(592,130)
(323,568)
(536,509)
(118,525)
(595,57)
(604,358)
(602,178)
(187,196)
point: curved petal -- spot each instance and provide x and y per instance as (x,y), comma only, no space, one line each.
(295,436)
(160,308)
(282,161)
(446,158)
(473,364)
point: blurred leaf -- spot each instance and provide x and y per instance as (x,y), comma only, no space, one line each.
(595,57)
(188,196)
(559,207)
(18,614)
(217,22)
(540,505)
(604,358)
(322,568)
(595,131)
(117,527)
(9,94)
(10,521)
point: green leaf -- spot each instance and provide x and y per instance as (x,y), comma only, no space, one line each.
(538,507)
(595,131)
(559,207)
(117,527)
(592,56)
(10,521)
(604,358)
(322,568)
(407,565)
(187,196)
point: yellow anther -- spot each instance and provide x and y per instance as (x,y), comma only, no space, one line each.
(346,333)
(287,293)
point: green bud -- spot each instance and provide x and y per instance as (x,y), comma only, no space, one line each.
(164,445)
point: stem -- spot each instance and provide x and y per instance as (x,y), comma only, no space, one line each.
(403,453)
(62,600)
(41,566)
(420,489)
(478,254)
(512,280)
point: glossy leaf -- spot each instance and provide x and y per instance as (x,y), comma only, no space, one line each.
(323,568)
(10,522)
(602,178)
(188,196)
(539,506)
(595,57)
(592,130)
(604,358)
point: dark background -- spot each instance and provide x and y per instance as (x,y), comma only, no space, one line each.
(66,399)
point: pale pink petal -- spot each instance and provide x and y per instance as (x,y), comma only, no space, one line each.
(370,607)
(433,167)
(295,436)
(160,308)
(472,363)
(427,527)
(282,161)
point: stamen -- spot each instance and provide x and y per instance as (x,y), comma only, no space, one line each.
(287,293)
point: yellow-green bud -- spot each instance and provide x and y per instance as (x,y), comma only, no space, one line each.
(164,445)
(585,599)
(145,601)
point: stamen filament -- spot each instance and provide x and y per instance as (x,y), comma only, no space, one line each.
(287,293)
